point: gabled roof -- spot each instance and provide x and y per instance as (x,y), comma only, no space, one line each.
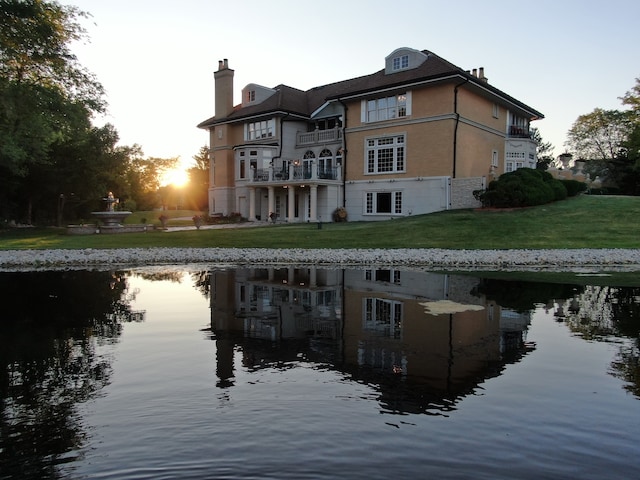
(290,100)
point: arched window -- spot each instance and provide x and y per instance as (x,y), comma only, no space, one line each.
(325,164)
(308,155)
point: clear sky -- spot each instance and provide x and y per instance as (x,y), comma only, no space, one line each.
(156,58)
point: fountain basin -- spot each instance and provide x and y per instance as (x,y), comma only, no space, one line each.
(111,219)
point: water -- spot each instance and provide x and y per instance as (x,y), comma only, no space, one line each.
(162,373)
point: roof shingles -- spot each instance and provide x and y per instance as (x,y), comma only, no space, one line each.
(291,100)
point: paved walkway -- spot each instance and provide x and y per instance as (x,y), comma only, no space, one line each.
(216,226)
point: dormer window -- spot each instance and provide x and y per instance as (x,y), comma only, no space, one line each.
(251,96)
(401,62)
(403,59)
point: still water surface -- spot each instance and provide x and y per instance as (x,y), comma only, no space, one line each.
(312,373)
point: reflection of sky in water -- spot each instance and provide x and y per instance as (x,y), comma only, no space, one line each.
(298,408)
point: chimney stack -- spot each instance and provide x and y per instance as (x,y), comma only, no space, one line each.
(474,72)
(223,89)
(481,75)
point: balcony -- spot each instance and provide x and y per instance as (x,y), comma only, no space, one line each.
(519,131)
(319,137)
(296,174)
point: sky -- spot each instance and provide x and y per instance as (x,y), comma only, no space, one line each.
(156,58)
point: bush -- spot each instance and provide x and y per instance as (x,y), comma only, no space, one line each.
(524,187)
(130,205)
(339,215)
(574,187)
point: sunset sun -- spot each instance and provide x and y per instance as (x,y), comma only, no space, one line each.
(178,177)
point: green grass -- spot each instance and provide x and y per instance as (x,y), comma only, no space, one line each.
(581,222)
(153,217)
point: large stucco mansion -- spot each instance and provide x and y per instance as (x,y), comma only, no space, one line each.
(418,136)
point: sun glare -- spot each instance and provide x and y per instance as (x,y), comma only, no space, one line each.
(177,177)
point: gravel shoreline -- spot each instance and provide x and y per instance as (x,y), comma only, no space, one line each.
(534,260)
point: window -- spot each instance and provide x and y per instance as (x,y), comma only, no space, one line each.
(247,166)
(385,154)
(258,130)
(388,276)
(325,163)
(401,62)
(380,109)
(383,315)
(251,95)
(496,110)
(383,202)
(494,158)
(510,166)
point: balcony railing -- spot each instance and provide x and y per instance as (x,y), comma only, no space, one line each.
(333,135)
(518,131)
(296,173)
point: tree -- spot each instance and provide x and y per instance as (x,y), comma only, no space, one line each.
(599,135)
(46,97)
(632,99)
(544,150)
(601,138)
(199,179)
(144,176)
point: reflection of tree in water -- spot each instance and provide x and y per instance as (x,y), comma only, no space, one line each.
(606,313)
(202,282)
(201,279)
(161,276)
(49,362)
(523,296)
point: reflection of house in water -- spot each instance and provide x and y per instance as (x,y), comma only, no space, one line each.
(398,329)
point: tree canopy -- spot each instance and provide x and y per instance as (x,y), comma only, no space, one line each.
(610,141)
(54,162)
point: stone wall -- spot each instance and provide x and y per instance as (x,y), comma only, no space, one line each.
(462,192)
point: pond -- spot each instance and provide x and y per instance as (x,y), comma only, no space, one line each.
(310,373)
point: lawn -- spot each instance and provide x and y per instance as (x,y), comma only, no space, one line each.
(580,222)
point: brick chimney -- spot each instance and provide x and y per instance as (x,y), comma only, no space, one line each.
(224,89)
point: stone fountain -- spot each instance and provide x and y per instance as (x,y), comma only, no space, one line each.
(110,217)
(110,220)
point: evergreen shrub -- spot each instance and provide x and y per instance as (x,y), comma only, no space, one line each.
(574,187)
(524,187)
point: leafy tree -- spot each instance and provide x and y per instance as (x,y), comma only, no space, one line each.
(632,99)
(544,150)
(144,176)
(46,97)
(199,179)
(599,135)
(606,139)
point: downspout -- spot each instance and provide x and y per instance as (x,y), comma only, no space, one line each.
(281,142)
(344,154)
(455,130)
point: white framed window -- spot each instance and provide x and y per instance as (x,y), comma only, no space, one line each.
(385,155)
(258,130)
(386,108)
(383,275)
(382,315)
(494,158)
(247,164)
(383,203)
(511,166)
(251,96)
(401,62)
(496,110)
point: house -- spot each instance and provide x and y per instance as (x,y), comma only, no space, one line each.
(418,136)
